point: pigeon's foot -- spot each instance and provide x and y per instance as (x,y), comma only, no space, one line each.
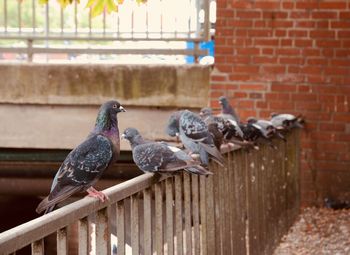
(97,194)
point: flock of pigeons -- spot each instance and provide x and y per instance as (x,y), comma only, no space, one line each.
(202,136)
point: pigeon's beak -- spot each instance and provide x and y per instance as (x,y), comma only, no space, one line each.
(121,109)
(122,136)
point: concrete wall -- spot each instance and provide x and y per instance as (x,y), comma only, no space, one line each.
(55,106)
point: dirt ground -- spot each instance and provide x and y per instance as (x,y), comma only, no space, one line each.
(318,231)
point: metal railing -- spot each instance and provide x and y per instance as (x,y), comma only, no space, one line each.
(162,27)
(244,208)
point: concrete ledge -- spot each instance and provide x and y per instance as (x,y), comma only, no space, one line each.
(93,84)
(64,127)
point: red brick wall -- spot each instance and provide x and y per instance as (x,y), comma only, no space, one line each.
(292,56)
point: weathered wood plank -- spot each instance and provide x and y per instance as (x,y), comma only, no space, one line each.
(169,215)
(178,214)
(62,243)
(135,230)
(210,211)
(195,213)
(120,227)
(38,247)
(147,221)
(187,211)
(203,214)
(103,236)
(158,193)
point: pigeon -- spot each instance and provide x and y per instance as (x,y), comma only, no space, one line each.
(159,157)
(195,136)
(286,121)
(268,129)
(227,111)
(85,164)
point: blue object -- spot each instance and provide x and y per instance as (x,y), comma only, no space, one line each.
(209,45)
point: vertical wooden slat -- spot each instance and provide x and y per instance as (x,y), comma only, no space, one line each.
(242,197)
(232,203)
(218,205)
(226,213)
(169,215)
(147,220)
(103,236)
(187,210)
(178,214)
(120,228)
(62,244)
(38,247)
(158,193)
(83,236)
(203,214)
(135,238)
(210,213)
(195,213)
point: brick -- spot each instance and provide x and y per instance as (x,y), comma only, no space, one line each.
(242,4)
(288,51)
(299,15)
(324,24)
(336,71)
(224,50)
(254,87)
(282,23)
(334,127)
(218,86)
(240,23)
(328,52)
(218,77)
(340,62)
(260,32)
(266,42)
(340,24)
(246,69)
(260,23)
(280,33)
(297,33)
(342,53)
(283,87)
(225,68)
(240,95)
(264,60)
(290,60)
(248,14)
(303,43)
(281,106)
(304,97)
(324,15)
(274,69)
(286,42)
(322,34)
(344,15)
(306,5)
(261,105)
(267,51)
(311,52)
(288,5)
(267,5)
(332,5)
(255,95)
(328,43)
(346,44)
(311,70)
(248,51)
(239,77)
(238,59)
(304,88)
(246,104)
(317,61)
(305,24)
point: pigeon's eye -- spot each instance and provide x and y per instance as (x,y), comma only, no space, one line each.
(115,106)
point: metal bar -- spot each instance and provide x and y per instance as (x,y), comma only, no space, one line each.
(34,15)
(76,17)
(147,220)
(103,236)
(135,238)
(61,20)
(158,193)
(38,247)
(62,243)
(49,223)
(5,15)
(195,214)
(187,212)
(178,214)
(206,25)
(19,9)
(121,228)
(83,236)
(169,215)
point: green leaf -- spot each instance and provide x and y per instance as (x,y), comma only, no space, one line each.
(43,1)
(90,3)
(97,9)
(111,6)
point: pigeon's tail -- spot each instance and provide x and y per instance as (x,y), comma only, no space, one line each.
(214,152)
(198,170)
(48,205)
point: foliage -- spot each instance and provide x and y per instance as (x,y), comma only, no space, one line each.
(97,6)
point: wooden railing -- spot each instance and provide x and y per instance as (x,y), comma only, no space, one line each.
(245,207)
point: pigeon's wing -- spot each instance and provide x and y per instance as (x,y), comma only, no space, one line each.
(81,169)
(193,126)
(157,157)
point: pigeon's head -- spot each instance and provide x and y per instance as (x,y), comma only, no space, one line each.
(252,120)
(205,112)
(130,134)
(112,107)
(172,128)
(223,101)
